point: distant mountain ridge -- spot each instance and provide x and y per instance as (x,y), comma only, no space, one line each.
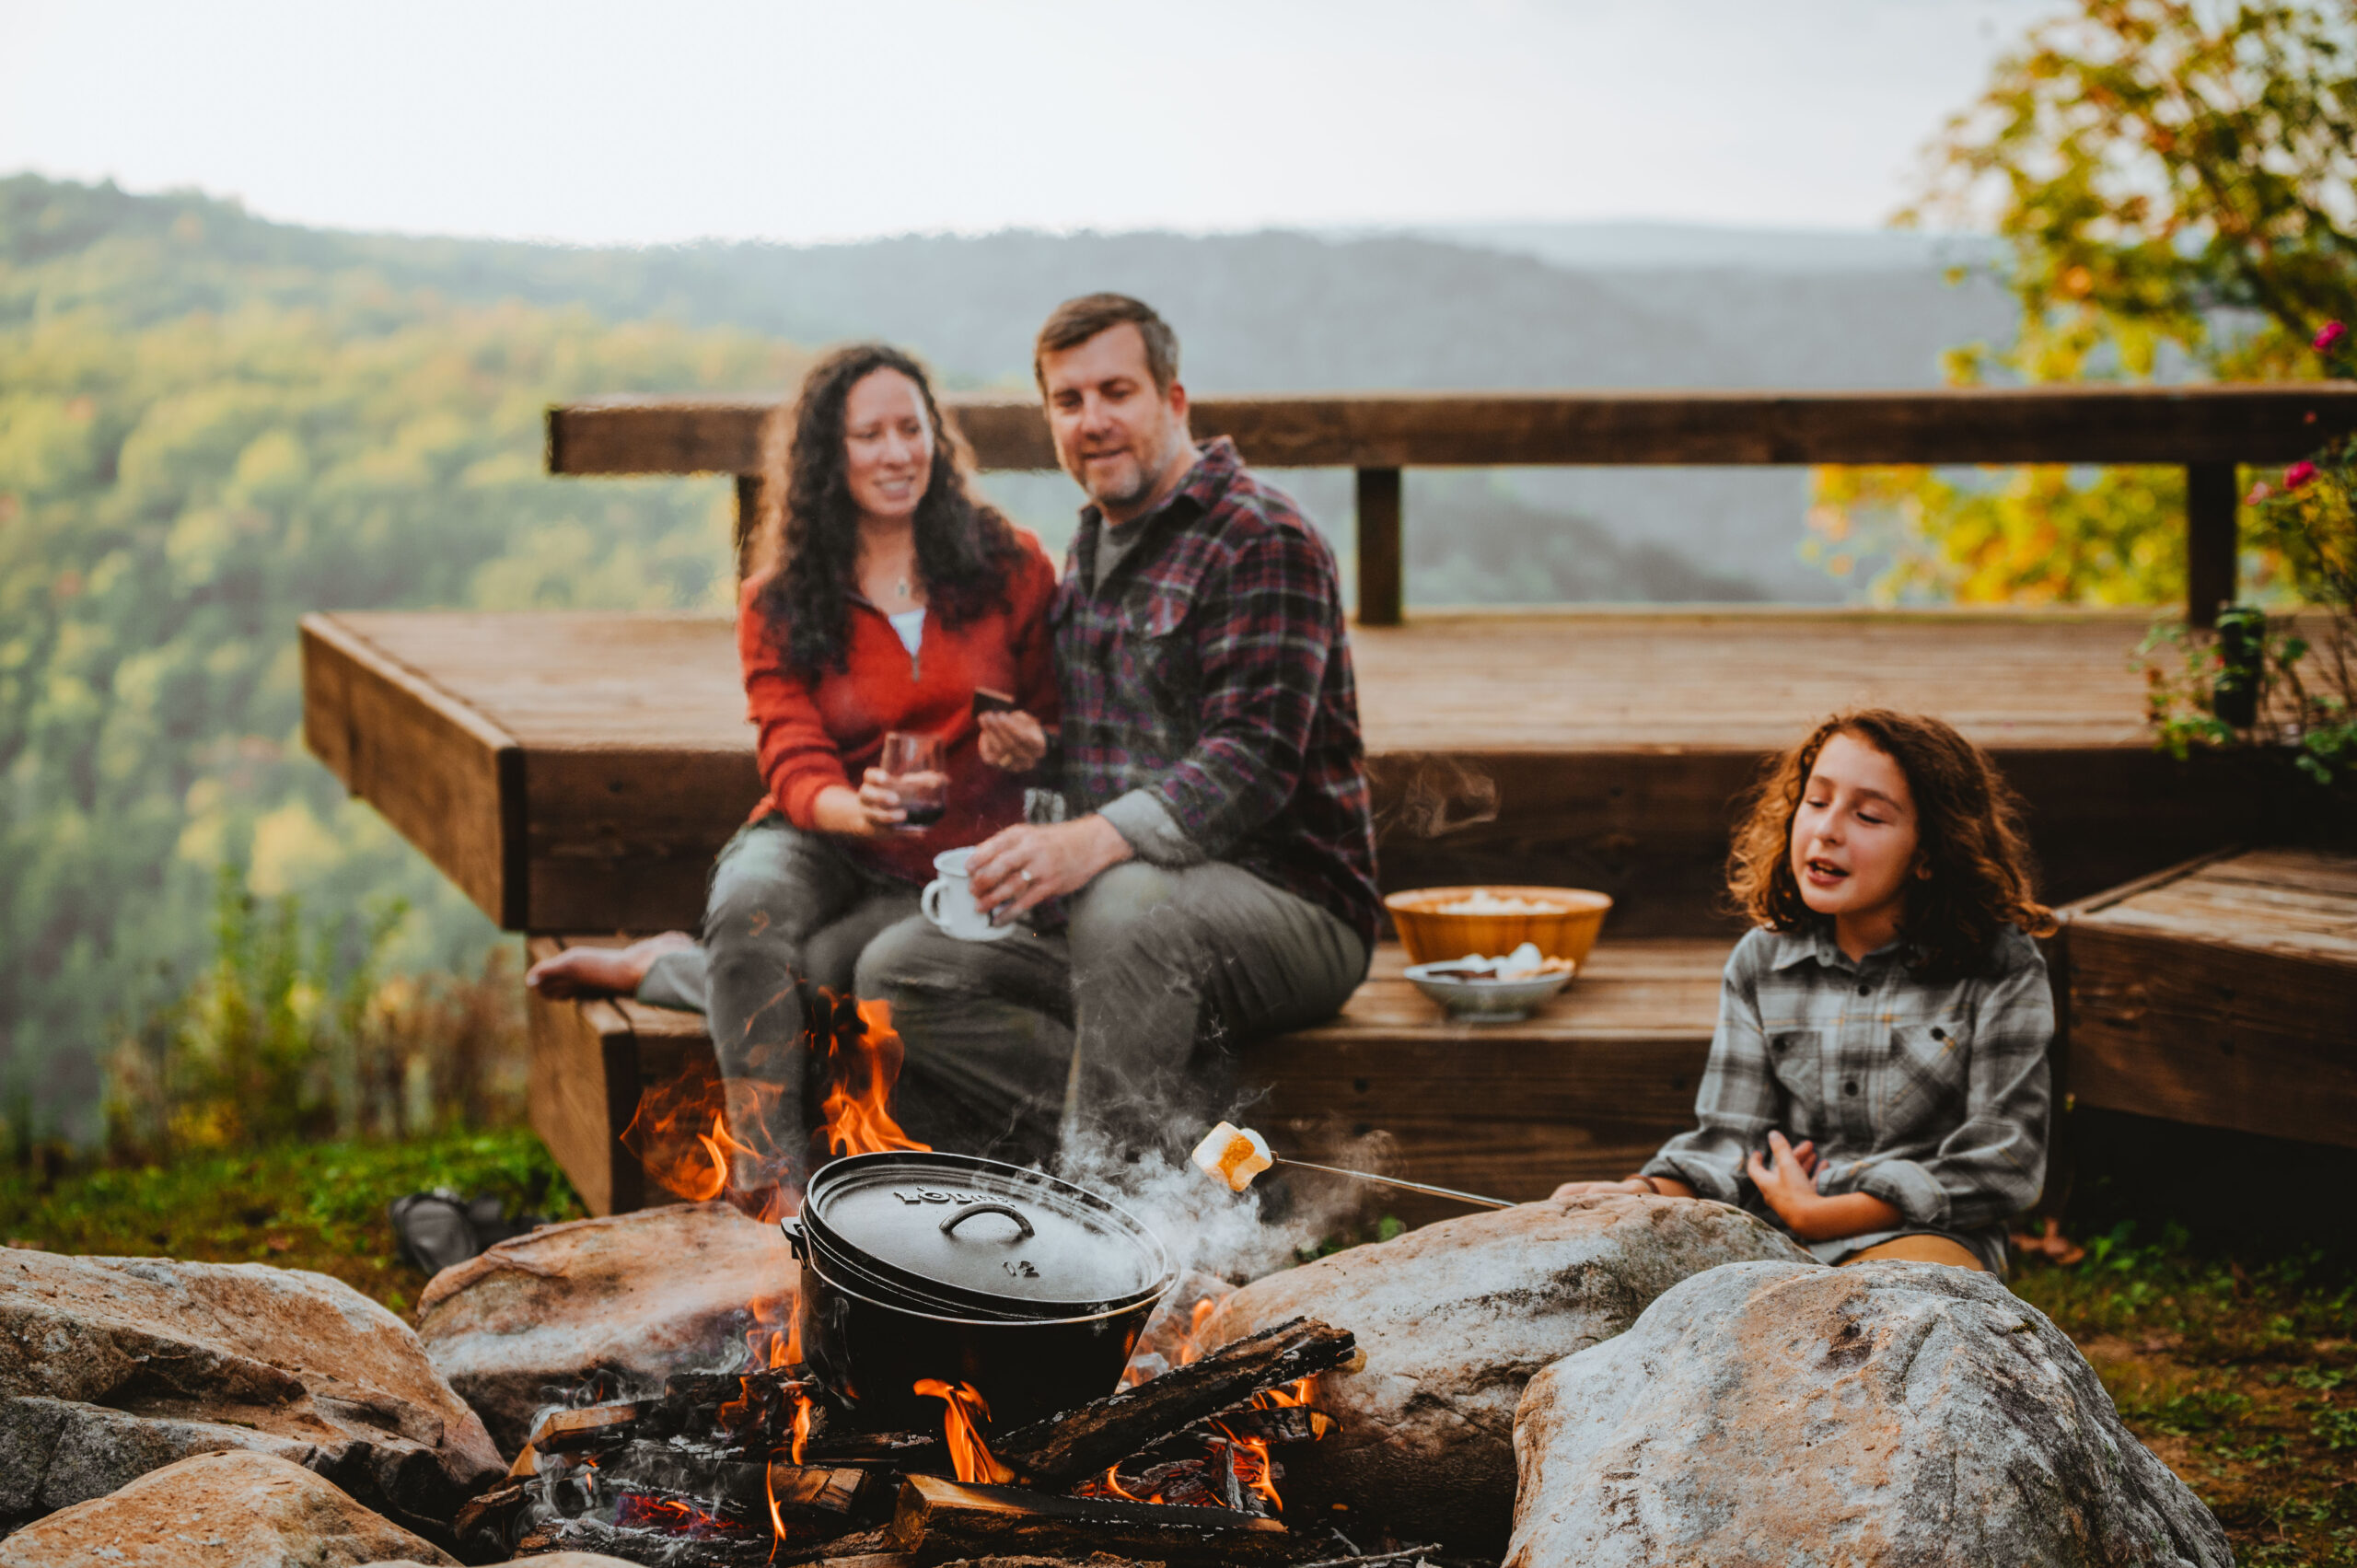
(1275,310)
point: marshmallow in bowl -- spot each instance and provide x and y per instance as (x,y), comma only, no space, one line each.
(1235,1155)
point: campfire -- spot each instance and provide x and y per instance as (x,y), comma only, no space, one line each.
(798,1458)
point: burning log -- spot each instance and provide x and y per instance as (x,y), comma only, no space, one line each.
(1066,1449)
(1279,1425)
(572,1431)
(940,1520)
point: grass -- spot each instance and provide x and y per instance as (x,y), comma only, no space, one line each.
(317,1207)
(2241,1377)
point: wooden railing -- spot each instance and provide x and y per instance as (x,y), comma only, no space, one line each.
(2207,429)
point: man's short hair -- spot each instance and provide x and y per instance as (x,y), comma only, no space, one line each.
(1075,322)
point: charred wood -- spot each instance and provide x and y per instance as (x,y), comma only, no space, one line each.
(486,1524)
(1065,1449)
(939,1520)
(657,1549)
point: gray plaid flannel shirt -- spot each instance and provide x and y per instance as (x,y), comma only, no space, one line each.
(1930,1098)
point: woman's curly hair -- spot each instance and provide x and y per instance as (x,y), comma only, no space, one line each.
(964,548)
(1968,821)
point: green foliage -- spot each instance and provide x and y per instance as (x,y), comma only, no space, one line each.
(2172,181)
(209,426)
(298,1205)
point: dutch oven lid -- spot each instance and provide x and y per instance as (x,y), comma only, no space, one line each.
(986,1228)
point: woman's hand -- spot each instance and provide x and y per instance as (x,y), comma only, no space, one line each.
(1013,740)
(872,808)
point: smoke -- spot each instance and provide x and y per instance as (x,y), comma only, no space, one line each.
(1440,796)
(1238,1236)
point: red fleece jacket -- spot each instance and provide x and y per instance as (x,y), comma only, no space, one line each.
(832,731)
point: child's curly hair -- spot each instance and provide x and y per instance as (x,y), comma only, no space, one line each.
(1969,829)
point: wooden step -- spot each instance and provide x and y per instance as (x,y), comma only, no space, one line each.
(1588,1086)
(2221,992)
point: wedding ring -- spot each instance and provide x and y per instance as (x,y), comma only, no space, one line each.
(1026,876)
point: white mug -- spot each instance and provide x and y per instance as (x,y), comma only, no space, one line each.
(948,901)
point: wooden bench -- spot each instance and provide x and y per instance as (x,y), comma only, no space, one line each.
(2220,993)
(1587,1087)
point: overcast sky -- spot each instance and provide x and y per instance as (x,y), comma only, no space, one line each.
(600,121)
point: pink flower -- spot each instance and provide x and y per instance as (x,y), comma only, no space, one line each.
(2298,474)
(2258,493)
(2328,335)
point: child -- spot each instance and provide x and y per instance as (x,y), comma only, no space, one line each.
(1877,1085)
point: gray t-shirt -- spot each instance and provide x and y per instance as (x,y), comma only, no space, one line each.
(1113,546)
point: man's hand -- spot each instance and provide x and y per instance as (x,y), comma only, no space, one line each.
(1014,868)
(1011,740)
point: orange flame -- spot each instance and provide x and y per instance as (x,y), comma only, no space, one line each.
(859,1120)
(961,1428)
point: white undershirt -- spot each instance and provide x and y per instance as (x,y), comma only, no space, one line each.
(910,624)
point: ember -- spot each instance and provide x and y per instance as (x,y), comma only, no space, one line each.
(769,1465)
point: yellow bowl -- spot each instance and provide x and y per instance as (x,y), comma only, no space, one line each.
(1567,929)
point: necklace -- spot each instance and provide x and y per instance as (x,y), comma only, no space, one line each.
(901,588)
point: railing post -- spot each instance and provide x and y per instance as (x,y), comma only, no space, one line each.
(1382,592)
(2210,538)
(748,521)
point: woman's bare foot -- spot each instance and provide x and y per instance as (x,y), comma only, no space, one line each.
(582,972)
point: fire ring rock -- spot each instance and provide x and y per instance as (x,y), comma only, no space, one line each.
(1453,1320)
(636,1295)
(218,1511)
(1884,1412)
(111,1368)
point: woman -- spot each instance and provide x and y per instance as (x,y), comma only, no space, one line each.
(898,598)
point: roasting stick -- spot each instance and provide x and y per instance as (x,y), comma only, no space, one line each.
(1235,1155)
(1395,1181)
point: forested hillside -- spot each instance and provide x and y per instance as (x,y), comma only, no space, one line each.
(210,423)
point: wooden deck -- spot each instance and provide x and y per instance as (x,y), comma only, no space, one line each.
(2221,992)
(577,771)
(1588,1086)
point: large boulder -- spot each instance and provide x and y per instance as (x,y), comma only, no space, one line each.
(634,1297)
(1885,1412)
(110,1368)
(227,1510)
(1453,1320)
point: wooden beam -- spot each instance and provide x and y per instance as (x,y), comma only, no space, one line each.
(1381,575)
(2118,424)
(448,777)
(2211,536)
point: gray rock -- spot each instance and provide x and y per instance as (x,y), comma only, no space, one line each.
(111,1368)
(639,1295)
(218,1511)
(1453,1320)
(1768,1413)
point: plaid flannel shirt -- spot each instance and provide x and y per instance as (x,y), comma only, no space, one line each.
(1932,1097)
(1211,670)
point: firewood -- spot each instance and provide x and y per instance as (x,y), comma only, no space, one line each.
(1284,1423)
(938,1520)
(485,1525)
(636,1545)
(592,1426)
(1065,1449)
(815,1488)
(888,1449)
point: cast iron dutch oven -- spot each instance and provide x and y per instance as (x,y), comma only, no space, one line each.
(937,1265)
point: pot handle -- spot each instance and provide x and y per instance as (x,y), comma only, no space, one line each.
(1023,1225)
(792,1226)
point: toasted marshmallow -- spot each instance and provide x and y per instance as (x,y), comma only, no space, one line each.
(1234,1155)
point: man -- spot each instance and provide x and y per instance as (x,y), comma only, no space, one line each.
(1218,867)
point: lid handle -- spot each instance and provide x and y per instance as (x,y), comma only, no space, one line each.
(1023,1225)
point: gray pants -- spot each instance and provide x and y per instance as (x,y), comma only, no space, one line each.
(786,908)
(1126,1024)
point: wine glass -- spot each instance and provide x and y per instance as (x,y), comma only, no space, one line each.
(914,763)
